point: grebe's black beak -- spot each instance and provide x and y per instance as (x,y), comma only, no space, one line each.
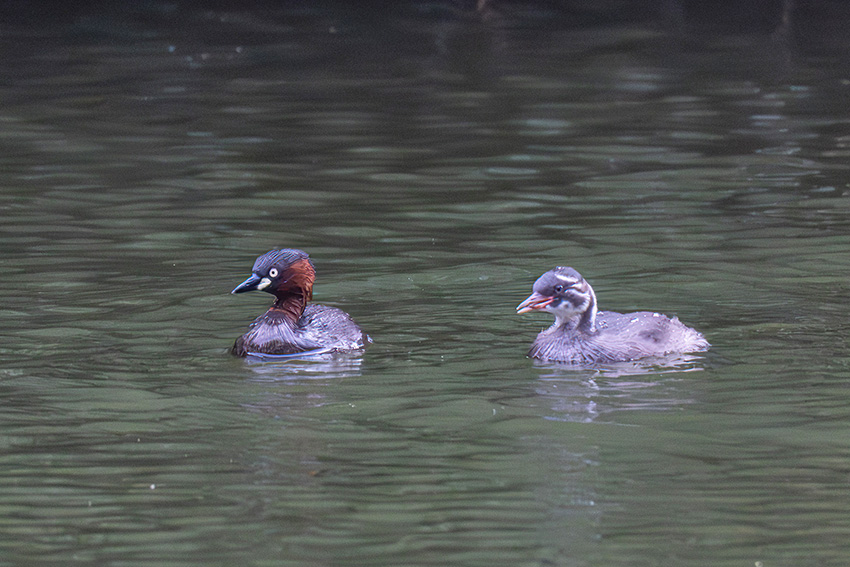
(533,302)
(254,282)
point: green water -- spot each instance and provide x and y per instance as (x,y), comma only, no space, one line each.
(433,162)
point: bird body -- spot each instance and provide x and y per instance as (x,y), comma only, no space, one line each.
(583,335)
(292,325)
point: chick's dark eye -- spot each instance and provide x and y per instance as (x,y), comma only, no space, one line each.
(273,273)
(558,288)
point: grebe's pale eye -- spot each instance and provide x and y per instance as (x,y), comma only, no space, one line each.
(273,273)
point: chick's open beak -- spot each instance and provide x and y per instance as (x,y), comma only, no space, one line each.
(534,302)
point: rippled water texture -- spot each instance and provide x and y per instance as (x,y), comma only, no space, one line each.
(434,160)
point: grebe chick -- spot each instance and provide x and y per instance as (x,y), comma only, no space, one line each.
(583,335)
(291,326)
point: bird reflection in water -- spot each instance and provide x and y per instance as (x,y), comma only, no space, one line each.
(585,394)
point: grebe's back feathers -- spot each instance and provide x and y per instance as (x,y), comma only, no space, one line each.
(619,337)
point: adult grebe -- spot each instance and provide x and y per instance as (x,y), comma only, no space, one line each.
(292,326)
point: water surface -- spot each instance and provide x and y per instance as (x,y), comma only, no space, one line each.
(433,161)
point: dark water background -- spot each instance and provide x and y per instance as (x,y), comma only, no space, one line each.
(433,160)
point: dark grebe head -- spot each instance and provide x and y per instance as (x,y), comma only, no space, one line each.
(282,273)
(565,294)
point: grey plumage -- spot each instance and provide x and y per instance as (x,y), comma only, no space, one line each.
(583,335)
